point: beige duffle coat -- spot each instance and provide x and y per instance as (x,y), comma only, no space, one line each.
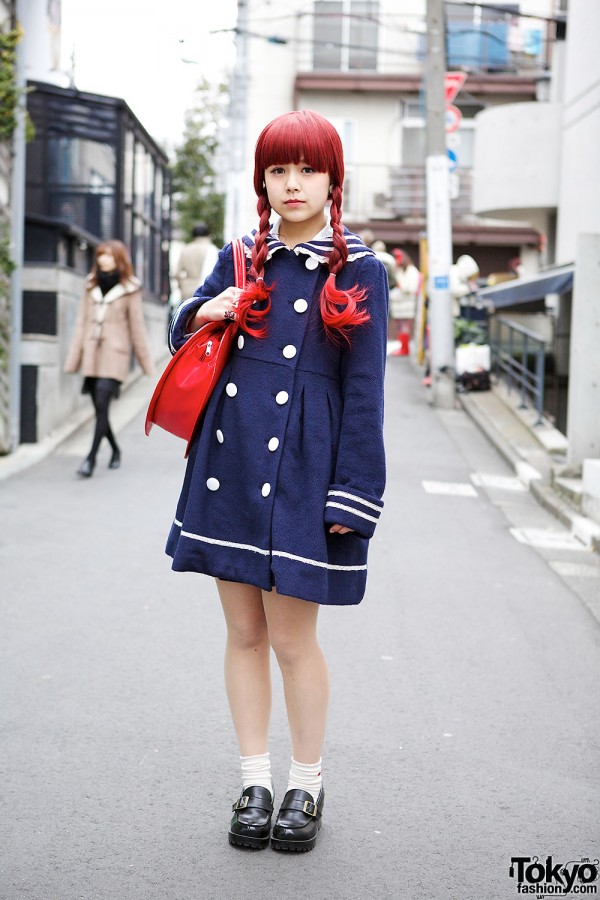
(107,329)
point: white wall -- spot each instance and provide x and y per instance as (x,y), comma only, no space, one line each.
(579,192)
(516,164)
(41,24)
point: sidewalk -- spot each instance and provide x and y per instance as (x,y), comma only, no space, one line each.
(537,454)
(135,394)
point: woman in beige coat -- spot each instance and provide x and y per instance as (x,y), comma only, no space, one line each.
(110,323)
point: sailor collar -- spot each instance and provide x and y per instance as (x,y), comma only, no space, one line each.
(318,247)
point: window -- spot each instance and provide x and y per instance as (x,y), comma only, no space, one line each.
(345,35)
(480,37)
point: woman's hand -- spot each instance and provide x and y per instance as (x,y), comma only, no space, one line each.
(340,529)
(223,306)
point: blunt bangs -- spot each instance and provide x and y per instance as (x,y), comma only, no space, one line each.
(302,134)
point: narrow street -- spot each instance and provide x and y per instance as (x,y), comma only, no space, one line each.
(464,726)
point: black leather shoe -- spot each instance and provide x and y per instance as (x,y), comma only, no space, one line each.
(115,460)
(251,823)
(298,821)
(86,469)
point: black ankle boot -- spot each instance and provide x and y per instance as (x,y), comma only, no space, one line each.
(115,460)
(86,469)
(251,822)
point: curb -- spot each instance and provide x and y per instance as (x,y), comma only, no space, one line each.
(135,395)
(540,483)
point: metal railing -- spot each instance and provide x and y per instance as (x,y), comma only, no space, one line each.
(513,348)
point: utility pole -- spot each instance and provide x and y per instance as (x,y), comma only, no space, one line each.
(237,127)
(439,229)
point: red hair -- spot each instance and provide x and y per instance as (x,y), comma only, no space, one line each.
(121,255)
(307,135)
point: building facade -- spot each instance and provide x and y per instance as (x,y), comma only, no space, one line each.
(361,64)
(88,171)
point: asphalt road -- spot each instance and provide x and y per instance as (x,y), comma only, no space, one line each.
(464,726)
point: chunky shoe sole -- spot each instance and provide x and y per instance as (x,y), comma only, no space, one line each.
(297,846)
(249,843)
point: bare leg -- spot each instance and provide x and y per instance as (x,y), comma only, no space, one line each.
(247,665)
(292,625)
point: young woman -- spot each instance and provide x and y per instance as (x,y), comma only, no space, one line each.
(109,325)
(284,480)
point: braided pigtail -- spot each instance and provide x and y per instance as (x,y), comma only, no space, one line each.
(249,317)
(339,309)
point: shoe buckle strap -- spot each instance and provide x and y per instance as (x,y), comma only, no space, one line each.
(242,803)
(310,808)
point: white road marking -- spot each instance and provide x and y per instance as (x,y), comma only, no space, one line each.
(546,539)
(576,570)
(449,488)
(502,482)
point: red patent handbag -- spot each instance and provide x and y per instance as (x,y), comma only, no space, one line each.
(184,388)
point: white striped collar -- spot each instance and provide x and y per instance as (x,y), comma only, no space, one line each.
(318,247)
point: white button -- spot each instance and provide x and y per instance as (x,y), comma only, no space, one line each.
(282,397)
(289,352)
(231,389)
(213,484)
(311,263)
(220,437)
(300,305)
(273,444)
(266,489)
(241,342)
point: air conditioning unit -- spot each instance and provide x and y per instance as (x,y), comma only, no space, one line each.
(381,200)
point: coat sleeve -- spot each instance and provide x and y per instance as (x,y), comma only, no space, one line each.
(137,329)
(221,277)
(354,497)
(75,352)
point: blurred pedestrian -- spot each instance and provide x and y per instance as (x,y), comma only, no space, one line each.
(110,323)
(463,281)
(196,260)
(285,477)
(404,301)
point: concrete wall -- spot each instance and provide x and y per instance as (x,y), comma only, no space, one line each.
(583,422)
(579,192)
(517,160)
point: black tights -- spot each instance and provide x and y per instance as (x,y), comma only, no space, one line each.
(102,391)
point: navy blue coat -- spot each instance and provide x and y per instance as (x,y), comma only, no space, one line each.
(292,438)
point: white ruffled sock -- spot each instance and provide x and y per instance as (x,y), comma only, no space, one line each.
(256,770)
(306,777)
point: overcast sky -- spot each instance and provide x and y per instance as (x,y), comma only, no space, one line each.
(135,49)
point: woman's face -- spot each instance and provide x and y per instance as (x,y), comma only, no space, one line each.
(298,193)
(106,261)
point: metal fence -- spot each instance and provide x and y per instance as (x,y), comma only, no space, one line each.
(519,356)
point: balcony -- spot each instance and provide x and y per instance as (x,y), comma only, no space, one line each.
(516,160)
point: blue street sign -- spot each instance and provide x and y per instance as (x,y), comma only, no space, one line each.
(452,161)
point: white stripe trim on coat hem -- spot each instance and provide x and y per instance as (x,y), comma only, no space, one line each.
(315,562)
(207,540)
(355,498)
(302,559)
(351,509)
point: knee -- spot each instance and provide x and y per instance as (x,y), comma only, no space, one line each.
(248,635)
(290,649)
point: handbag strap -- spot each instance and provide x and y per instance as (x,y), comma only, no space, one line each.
(239,262)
